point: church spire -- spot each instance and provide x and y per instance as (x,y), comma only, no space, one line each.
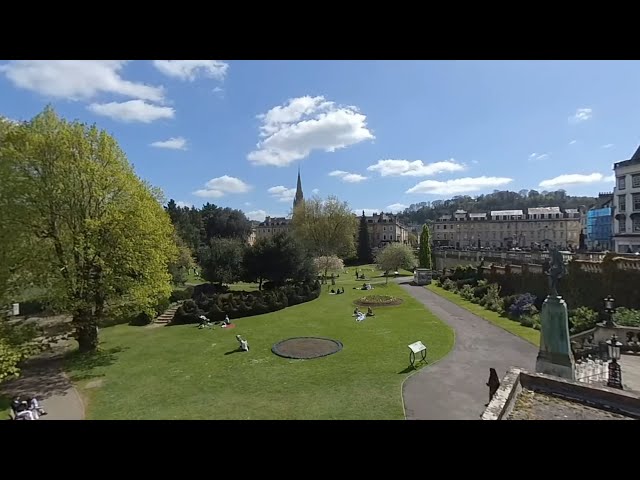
(299,196)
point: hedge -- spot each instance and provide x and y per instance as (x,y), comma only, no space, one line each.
(238,304)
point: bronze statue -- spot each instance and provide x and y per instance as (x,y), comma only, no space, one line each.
(557,270)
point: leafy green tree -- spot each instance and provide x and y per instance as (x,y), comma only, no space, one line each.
(325,227)
(395,256)
(221,260)
(364,242)
(179,268)
(278,258)
(88,231)
(424,253)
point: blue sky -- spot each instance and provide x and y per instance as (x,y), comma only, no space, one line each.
(378,134)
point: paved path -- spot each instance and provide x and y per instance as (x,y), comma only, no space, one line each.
(455,387)
(44,379)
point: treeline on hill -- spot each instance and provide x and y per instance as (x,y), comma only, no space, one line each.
(280,261)
(498,200)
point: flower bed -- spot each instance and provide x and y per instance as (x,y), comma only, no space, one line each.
(378,301)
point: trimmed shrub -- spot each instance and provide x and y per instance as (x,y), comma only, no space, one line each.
(465,281)
(449,284)
(492,301)
(466,292)
(526,321)
(627,317)
(524,304)
(582,319)
(180,294)
(239,304)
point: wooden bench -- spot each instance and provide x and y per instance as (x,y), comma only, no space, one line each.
(415,348)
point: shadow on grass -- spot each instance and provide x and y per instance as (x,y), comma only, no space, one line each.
(83,364)
(237,350)
(409,369)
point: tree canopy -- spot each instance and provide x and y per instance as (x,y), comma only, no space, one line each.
(221,260)
(395,256)
(325,227)
(87,230)
(364,241)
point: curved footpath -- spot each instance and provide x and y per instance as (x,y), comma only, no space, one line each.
(44,378)
(455,387)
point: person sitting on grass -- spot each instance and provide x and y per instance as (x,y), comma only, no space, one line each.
(361,316)
(244,345)
(356,312)
(370,312)
(332,292)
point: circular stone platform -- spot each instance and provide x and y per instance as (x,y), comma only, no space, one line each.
(306,347)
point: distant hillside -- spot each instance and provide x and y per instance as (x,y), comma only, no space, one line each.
(498,200)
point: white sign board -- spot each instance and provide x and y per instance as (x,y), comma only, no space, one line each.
(417,347)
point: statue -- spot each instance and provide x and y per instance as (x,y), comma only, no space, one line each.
(555,356)
(493,383)
(557,270)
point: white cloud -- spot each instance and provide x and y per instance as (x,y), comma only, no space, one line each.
(283,194)
(348,177)
(77,79)
(458,185)
(367,211)
(608,145)
(184,204)
(573,142)
(257,215)
(416,168)
(248,204)
(475,161)
(574,179)
(219,92)
(220,186)
(176,143)
(610,178)
(581,115)
(191,69)
(397,207)
(292,131)
(315,191)
(538,156)
(132,111)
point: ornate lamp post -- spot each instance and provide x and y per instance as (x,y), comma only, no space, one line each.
(615,373)
(609,307)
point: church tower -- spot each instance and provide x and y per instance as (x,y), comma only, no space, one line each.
(299,198)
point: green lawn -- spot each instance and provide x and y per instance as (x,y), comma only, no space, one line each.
(511,326)
(5,407)
(181,372)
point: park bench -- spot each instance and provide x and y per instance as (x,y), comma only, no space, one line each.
(414,349)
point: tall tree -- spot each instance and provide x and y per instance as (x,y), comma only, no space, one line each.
(364,242)
(325,227)
(395,256)
(221,260)
(424,254)
(179,268)
(91,233)
(278,258)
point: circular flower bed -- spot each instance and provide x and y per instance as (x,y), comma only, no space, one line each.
(378,301)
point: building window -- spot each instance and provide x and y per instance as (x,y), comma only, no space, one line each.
(636,201)
(622,225)
(621,183)
(384,237)
(622,203)
(636,225)
(635,181)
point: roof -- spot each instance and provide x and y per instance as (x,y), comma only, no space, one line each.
(477,215)
(541,210)
(460,211)
(571,210)
(634,160)
(506,212)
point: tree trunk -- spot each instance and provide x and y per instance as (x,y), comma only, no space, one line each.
(260,285)
(86,331)
(325,275)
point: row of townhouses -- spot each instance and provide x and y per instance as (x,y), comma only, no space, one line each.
(543,227)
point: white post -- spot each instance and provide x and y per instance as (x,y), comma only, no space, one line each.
(15,309)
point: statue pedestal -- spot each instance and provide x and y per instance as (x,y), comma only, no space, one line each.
(555,356)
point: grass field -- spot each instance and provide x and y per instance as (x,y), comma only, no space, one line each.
(181,372)
(526,333)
